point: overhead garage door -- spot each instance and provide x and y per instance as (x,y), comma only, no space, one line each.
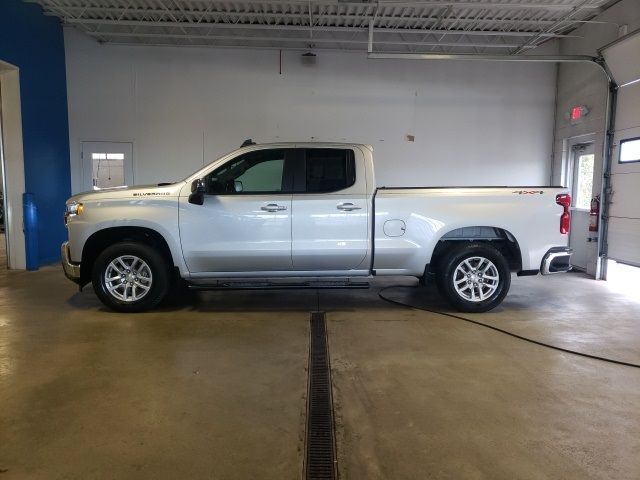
(623,59)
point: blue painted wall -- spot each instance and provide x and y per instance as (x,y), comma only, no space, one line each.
(35,44)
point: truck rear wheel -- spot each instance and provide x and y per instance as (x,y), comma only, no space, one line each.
(474,277)
(130,277)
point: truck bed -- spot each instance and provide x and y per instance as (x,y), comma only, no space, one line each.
(410,221)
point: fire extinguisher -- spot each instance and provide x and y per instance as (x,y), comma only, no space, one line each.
(594,214)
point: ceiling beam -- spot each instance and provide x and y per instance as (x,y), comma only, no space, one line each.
(576,9)
(305,40)
(422,25)
(232,17)
(257,26)
(481,4)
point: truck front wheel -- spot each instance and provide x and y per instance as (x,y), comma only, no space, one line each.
(474,277)
(130,277)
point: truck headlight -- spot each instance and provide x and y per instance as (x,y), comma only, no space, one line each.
(73,209)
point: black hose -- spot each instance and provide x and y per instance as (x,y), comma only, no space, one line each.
(506,332)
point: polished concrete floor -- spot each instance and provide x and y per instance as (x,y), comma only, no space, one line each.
(214,387)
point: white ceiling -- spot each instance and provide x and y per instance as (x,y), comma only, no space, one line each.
(436,26)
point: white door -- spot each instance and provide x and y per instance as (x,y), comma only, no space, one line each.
(623,60)
(107,164)
(244,224)
(330,211)
(624,214)
(582,191)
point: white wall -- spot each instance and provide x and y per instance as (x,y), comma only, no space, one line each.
(474,123)
(582,84)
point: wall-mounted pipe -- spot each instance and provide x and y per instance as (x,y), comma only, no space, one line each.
(487,58)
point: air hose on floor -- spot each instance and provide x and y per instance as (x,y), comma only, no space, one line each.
(500,330)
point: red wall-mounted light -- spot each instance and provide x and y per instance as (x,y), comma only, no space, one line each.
(577,112)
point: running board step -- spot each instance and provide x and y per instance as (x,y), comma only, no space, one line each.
(279,285)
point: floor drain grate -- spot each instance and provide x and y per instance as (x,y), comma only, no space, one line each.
(320,451)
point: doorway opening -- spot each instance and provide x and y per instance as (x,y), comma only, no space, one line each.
(12,169)
(623,278)
(580,239)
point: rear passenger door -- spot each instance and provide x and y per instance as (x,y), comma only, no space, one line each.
(330,212)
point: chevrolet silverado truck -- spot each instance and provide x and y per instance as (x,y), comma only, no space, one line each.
(309,215)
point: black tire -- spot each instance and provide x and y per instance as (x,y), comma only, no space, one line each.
(160,278)
(447,275)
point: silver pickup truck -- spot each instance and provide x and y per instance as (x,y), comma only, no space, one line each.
(309,214)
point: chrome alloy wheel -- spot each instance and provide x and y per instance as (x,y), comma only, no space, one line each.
(128,278)
(476,279)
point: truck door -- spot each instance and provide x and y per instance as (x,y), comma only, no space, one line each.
(244,224)
(330,212)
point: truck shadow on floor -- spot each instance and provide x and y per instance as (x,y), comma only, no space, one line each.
(279,300)
(215,301)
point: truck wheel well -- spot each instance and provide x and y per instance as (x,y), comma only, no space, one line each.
(97,242)
(499,238)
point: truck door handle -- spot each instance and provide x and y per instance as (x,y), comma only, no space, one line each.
(348,207)
(272,207)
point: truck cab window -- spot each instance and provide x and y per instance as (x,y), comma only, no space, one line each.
(329,170)
(254,172)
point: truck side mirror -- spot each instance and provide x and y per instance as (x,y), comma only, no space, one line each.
(197,192)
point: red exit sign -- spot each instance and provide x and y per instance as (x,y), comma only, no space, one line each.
(578,112)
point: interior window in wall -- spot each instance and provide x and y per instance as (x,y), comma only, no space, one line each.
(630,150)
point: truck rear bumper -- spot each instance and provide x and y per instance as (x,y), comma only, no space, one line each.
(556,260)
(71,270)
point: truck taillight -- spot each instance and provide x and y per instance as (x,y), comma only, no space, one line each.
(565,222)
(564,200)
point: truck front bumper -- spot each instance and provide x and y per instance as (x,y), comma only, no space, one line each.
(71,270)
(556,260)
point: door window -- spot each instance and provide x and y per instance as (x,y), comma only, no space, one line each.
(328,170)
(107,165)
(254,172)
(108,170)
(584,181)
